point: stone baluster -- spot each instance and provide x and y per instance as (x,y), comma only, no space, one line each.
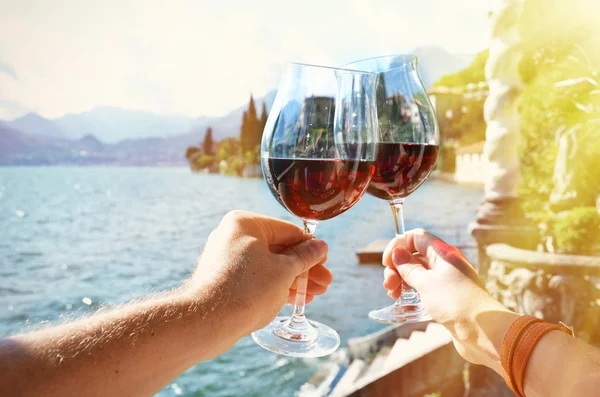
(500,217)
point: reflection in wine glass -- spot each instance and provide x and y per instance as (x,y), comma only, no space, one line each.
(407,151)
(317,152)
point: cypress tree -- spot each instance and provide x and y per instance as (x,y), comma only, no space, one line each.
(251,109)
(208,144)
(244,131)
(252,127)
(263,116)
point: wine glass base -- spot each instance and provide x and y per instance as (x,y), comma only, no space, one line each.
(400,314)
(320,343)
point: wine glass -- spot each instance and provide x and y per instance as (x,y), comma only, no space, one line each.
(407,151)
(317,154)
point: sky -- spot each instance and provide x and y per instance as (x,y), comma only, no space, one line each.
(203,57)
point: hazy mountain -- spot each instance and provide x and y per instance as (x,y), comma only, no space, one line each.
(90,143)
(34,124)
(230,124)
(21,147)
(17,147)
(172,149)
(111,135)
(435,62)
(113,124)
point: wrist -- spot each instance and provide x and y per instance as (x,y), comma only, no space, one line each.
(215,306)
(493,326)
(487,325)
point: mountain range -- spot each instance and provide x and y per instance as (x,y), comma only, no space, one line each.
(111,135)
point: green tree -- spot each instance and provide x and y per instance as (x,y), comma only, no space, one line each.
(244,131)
(208,144)
(467,124)
(251,131)
(189,153)
(263,117)
(474,73)
(560,96)
(252,109)
(228,148)
(202,161)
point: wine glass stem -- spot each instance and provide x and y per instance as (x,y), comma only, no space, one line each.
(298,315)
(408,295)
(396,205)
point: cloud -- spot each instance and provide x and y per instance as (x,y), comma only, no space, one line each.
(206,57)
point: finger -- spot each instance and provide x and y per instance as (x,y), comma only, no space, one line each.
(279,232)
(419,240)
(433,248)
(391,279)
(291,300)
(398,242)
(410,269)
(305,255)
(395,294)
(422,242)
(311,288)
(320,274)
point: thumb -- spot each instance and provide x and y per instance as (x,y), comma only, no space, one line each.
(409,268)
(305,255)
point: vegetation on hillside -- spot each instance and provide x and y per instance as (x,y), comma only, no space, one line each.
(461,116)
(560,125)
(231,155)
(472,74)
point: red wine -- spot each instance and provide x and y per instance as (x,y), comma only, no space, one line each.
(317,189)
(400,168)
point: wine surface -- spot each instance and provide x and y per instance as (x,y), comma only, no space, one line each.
(400,168)
(317,189)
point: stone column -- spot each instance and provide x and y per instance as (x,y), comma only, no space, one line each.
(502,134)
(500,217)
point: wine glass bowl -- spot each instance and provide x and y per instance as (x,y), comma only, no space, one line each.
(317,157)
(407,151)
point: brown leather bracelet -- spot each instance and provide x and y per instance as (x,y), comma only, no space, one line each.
(524,350)
(517,346)
(509,344)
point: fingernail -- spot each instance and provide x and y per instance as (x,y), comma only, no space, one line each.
(318,247)
(400,256)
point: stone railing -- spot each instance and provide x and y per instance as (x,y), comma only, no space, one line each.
(550,286)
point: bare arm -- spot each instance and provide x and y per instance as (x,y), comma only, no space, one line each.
(133,351)
(244,277)
(452,293)
(559,366)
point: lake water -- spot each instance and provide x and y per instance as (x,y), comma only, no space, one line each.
(72,239)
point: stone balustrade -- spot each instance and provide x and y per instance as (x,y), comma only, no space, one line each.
(550,286)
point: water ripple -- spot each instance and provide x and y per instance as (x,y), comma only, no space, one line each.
(126,232)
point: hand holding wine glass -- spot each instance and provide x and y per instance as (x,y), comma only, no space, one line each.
(317,154)
(279,251)
(407,150)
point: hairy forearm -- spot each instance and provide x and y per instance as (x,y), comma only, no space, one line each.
(560,365)
(133,351)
